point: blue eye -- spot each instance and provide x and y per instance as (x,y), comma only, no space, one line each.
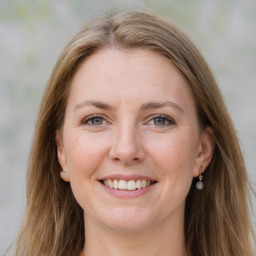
(161,120)
(95,120)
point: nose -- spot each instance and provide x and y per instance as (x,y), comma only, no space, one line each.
(127,146)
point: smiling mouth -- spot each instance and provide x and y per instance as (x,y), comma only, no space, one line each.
(127,184)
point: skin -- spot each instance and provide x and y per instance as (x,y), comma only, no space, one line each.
(127,138)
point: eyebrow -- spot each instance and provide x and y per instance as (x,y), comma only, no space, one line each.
(155,105)
(148,106)
(97,104)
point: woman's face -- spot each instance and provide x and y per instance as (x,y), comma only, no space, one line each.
(130,143)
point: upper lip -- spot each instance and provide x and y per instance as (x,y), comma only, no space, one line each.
(127,177)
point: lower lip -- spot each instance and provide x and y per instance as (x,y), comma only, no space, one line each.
(128,193)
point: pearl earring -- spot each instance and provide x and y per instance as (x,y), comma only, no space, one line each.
(200,184)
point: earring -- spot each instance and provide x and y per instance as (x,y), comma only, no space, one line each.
(200,184)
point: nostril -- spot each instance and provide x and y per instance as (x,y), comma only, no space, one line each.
(126,159)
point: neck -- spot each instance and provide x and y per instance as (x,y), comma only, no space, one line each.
(162,240)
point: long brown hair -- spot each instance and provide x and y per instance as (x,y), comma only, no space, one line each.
(217,220)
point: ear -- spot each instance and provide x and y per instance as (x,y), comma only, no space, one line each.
(64,174)
(204,151)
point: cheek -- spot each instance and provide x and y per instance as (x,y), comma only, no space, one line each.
(174,156)
(84,154)
(178,147)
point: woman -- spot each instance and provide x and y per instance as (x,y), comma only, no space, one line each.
(134,152)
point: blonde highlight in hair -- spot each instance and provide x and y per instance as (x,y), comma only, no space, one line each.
(217,220)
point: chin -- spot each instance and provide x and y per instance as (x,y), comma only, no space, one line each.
(128,219)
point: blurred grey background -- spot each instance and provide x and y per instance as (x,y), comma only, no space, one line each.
(33,33)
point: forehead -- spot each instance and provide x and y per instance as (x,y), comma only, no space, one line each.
(129,76)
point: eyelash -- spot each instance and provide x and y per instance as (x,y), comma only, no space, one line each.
(167,119)
(86,120)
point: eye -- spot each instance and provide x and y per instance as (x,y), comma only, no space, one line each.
(161,120)
(94,120)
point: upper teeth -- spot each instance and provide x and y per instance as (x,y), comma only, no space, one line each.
(126,185)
